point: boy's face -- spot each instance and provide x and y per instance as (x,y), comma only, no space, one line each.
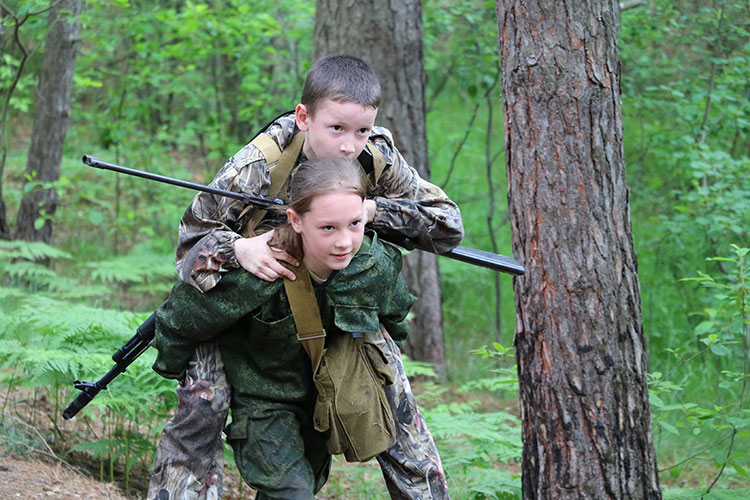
(331,231)
(337,129)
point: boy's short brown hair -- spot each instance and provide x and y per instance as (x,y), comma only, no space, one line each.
(340,78)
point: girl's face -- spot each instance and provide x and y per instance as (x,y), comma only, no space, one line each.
(331,231)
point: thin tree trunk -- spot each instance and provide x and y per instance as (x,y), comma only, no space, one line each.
(50,122)
(388,35)
(4,228)
(581,351)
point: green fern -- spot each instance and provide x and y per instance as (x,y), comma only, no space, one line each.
(32,250)
(141,266)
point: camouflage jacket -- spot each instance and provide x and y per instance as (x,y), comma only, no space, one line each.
(253,323)
(407,206)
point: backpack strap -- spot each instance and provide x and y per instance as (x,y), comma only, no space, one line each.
(306,314)
(281,164)
(372,161)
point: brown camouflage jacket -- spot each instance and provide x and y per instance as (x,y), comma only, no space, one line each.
(407,206)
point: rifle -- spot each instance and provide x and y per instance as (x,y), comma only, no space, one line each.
(144,335)
(123,358)
(473,256)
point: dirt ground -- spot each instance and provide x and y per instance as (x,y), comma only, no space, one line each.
(31,479)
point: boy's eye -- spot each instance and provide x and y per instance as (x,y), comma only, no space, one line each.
(337,128)
(356,223)
(327,228)
(364,131)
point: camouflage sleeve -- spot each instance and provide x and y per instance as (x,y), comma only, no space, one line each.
(211,224)
(412,207)
(190,316)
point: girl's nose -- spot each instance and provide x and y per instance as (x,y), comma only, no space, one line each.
(344,242)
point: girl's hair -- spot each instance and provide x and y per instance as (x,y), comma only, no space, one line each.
(340,78)
(315,178)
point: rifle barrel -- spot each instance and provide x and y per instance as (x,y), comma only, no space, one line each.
(490,260)
(473,256)
(263,201)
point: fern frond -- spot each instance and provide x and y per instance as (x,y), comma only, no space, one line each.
(137,267)
(33,250)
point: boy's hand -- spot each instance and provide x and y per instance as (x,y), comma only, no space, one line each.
(368,208)
(254,255)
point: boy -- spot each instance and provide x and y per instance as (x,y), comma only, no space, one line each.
(337,112)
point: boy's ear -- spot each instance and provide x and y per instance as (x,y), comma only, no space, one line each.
(301,116)
(294,220)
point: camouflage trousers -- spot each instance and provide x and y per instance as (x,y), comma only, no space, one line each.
(189,462)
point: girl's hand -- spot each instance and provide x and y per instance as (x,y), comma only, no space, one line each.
(254,255)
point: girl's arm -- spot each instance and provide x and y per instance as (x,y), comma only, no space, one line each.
(190,316)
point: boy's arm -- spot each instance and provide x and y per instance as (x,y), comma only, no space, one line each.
(412,207)
(211,224)
(190,316)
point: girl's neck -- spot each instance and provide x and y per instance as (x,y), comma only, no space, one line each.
(316,277)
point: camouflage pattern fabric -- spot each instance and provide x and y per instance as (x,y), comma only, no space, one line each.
(265,364)
(189,463)
(407,206)
(412,468)
(281,451)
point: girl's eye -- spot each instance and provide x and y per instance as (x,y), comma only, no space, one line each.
(336,128)
(356,223)
(327,228)
(364,131)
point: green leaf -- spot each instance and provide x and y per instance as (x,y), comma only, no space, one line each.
(669,428)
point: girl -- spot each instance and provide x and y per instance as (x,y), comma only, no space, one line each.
(280,438)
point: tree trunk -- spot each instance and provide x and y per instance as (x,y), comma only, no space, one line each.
(388,35)
(580,346)
(50,122)
(4,228)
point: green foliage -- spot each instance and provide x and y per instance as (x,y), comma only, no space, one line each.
(480,448)
(52,336)
(720,430)
(686,115)
(698,494)
(175,87)
(193,77)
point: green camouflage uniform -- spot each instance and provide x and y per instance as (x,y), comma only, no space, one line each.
(407,206)
(276,447)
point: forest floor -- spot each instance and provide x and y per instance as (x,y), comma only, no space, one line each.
(26,478)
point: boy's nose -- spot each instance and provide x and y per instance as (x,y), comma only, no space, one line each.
(347,147)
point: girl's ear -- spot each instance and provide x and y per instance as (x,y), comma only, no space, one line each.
(294,220)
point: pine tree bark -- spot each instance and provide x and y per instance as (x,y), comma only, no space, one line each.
(580,346)
(388,35)
(50,121)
